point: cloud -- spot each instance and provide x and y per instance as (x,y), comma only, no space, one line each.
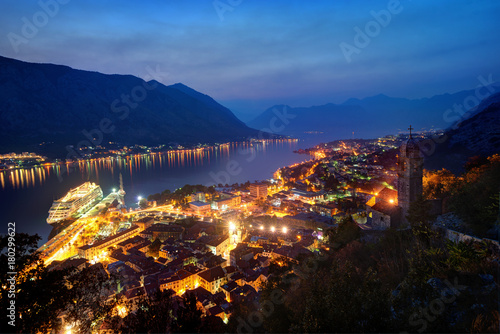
(267,51)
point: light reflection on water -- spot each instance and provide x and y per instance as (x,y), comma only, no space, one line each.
(27,194)
(138,163)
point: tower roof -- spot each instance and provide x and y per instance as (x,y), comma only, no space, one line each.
(410,147)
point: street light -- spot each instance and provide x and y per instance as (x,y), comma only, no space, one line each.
(272,229)
(114,190)
(284,230)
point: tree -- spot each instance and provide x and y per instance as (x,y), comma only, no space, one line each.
(143,203)
(39,293)
(87,302)
(420,218)
(475,162)
(339,299)
(476,199)
(344,233)
(188,315)
(438,184)
(43,297)
(331,183)
(153,314)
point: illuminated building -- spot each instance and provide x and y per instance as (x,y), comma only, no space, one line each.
(307,196)
(226,201)
(144,222)
(180,282)
(218,245)
(163,232)
(258,190)
(241,252)
(212,279)
(389,211)
(198,206)
(199,196)
(328,210)
(95,250)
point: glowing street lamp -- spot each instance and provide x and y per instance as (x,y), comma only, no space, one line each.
(232,227)
(284,230)
(272,229)
(261,227)
(114,190)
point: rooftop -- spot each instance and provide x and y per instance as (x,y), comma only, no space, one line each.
(213,274)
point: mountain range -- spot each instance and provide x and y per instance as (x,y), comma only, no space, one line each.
(477,133)
(63,106)
(46,103)
(467,131)
(369,117)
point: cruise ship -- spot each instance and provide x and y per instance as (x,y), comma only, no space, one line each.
(75,203)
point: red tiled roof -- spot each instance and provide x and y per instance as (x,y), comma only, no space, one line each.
(213,274)
(386,208)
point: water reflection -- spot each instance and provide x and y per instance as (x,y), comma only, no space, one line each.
(38,175)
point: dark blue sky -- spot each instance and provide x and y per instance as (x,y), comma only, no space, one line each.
(252,54)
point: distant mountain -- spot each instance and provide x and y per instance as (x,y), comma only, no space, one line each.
(329,118)
(369,117)
(54,103)
(477,134)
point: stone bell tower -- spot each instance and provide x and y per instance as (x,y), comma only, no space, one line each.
(410,173)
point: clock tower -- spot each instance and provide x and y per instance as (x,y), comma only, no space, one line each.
(410,173)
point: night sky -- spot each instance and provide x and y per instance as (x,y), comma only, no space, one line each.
(249,55)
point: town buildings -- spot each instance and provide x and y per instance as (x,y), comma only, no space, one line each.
(258,190)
